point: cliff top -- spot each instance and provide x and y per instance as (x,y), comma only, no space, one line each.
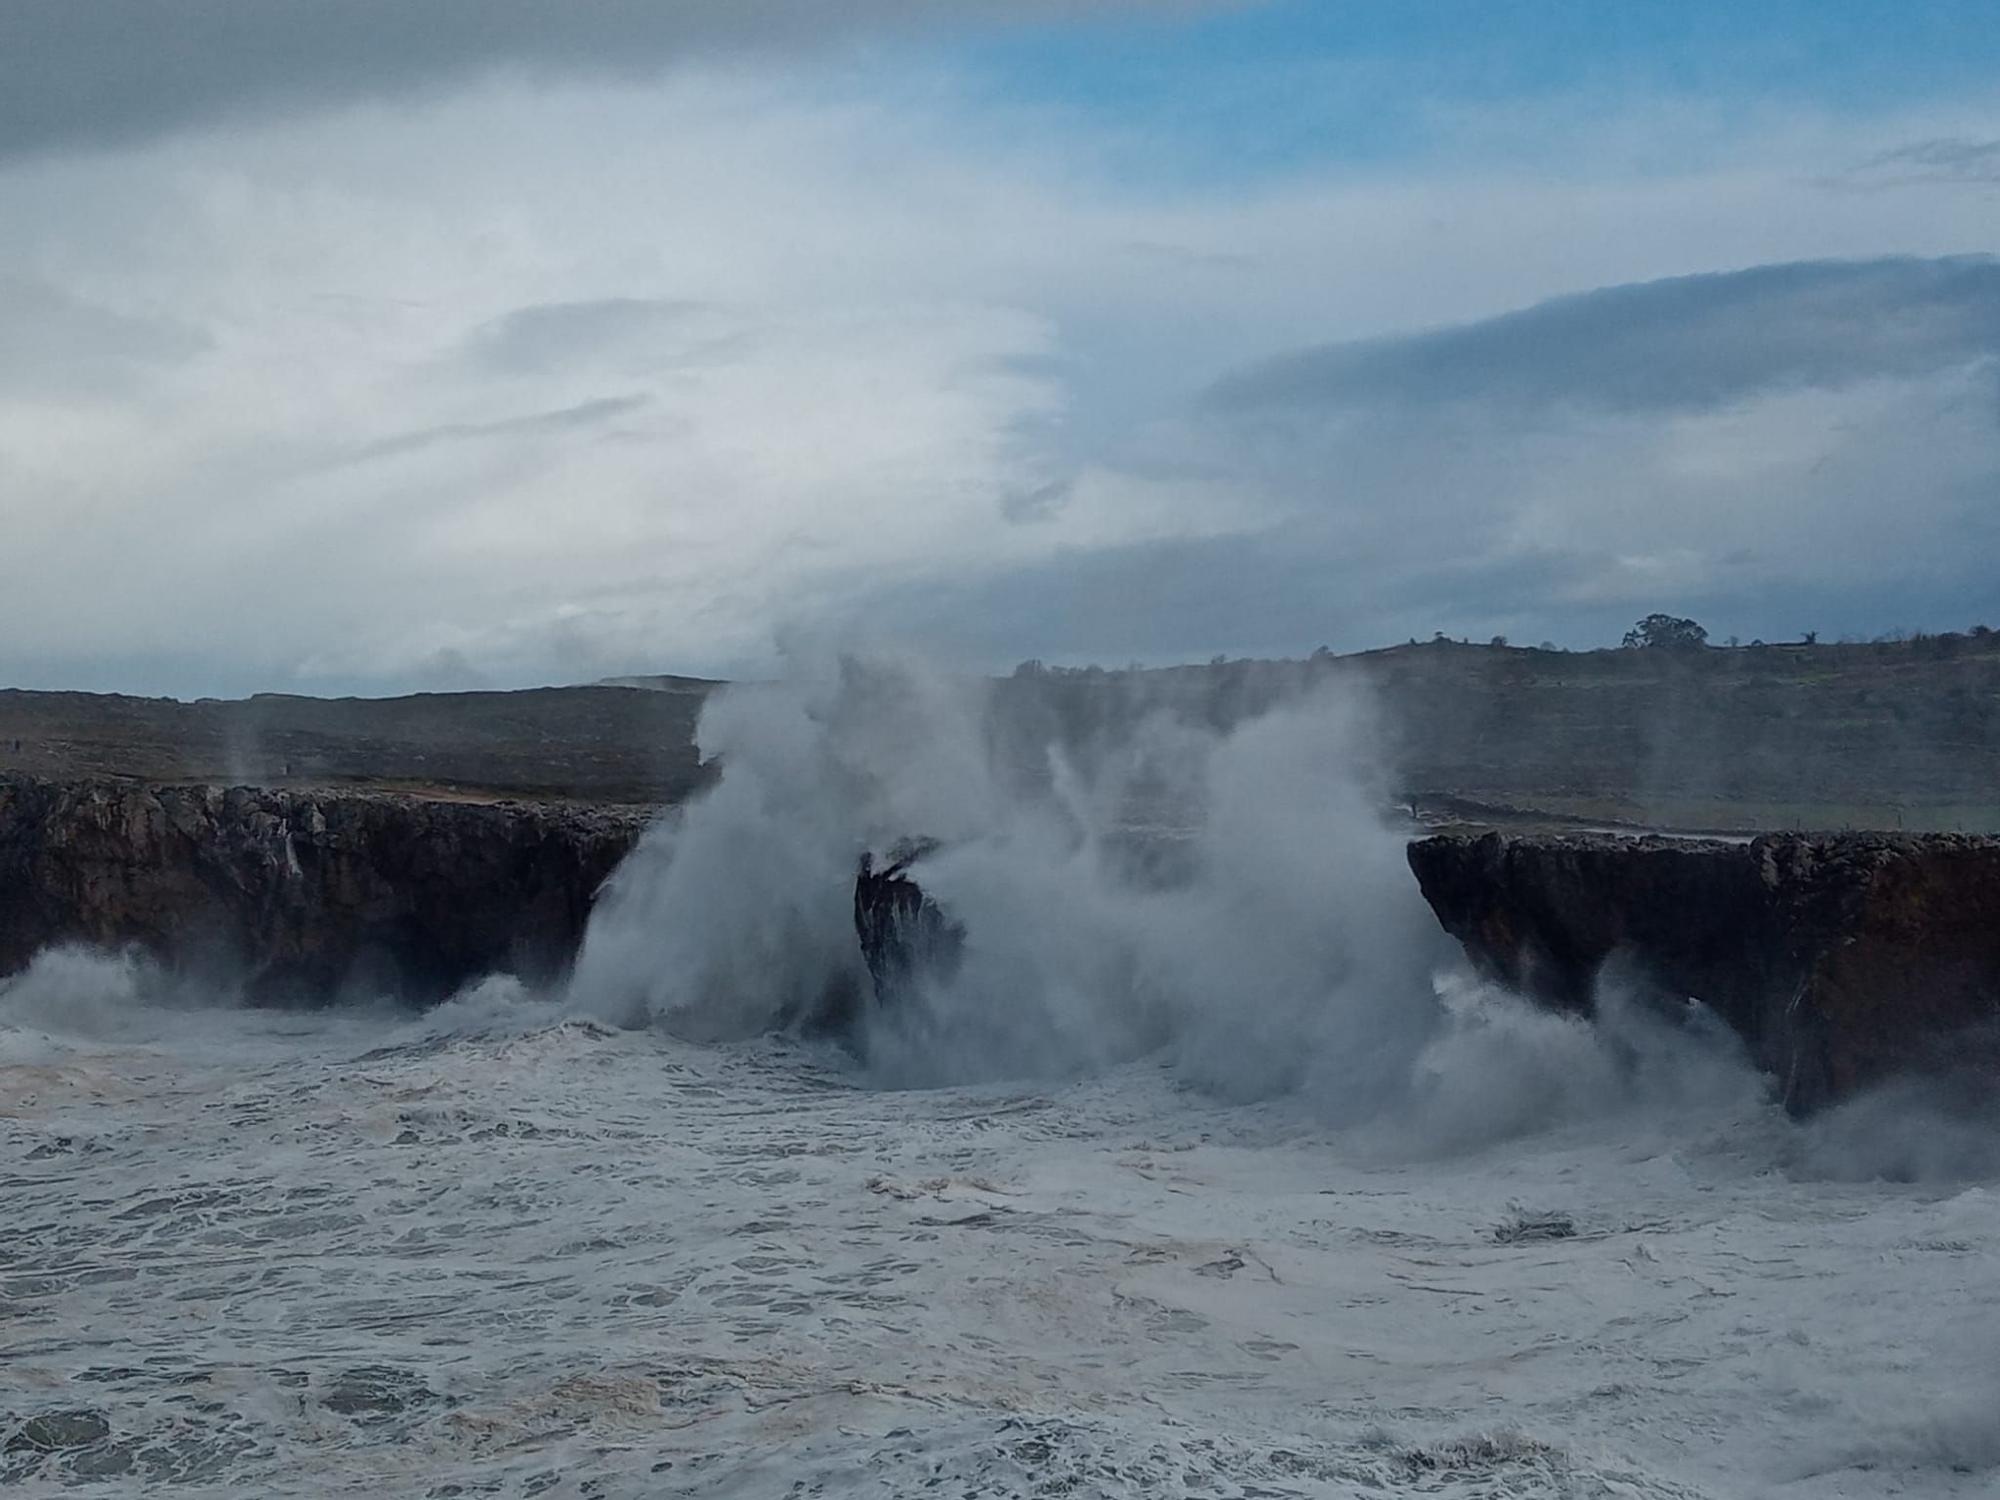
(1888,735)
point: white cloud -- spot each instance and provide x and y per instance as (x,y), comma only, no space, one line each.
(590,380)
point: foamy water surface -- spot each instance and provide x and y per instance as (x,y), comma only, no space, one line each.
(494,1252)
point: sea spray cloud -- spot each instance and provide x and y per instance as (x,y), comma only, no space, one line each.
(76,990)
(1141,883)
(1125,884)
(1283,948)
(736,914)
(1163,878)
(1498,1067)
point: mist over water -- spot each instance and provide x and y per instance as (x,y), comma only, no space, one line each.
(1230,902)
(1238,899)
(1233,902)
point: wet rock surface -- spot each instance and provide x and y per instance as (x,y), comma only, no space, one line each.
(1841,960)
(904,934)
(301,896)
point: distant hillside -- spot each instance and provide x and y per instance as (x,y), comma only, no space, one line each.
(600,744)
(1903,734)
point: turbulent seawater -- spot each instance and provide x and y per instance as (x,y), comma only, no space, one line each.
(487,1253)
(1200,1177)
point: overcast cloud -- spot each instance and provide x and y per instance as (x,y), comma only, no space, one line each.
(623,367)
(1683,344)
(109,72)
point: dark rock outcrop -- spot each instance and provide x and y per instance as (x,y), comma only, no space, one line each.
(904,933)
(1840,959)
(300,895)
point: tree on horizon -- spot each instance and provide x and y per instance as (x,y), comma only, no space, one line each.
(1666,630)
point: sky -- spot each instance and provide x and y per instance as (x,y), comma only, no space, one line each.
(357,346)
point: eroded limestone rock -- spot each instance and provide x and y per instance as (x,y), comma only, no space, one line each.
(297,895)
(1840,959)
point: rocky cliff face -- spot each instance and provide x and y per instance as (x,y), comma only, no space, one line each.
(904,934)
(1840,959)
(300,895)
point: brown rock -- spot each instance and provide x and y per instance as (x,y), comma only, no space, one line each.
(1840,959)
(298,894)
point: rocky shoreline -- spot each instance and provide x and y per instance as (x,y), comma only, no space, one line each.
(301,897)
(1841,960)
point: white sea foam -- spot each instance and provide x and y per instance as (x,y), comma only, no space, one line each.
(1291,949)
(327,1254)
(1233,901)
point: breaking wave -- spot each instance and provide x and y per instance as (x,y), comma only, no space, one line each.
(1232,900)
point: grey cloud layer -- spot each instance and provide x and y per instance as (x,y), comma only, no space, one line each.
(1940,159)
(1516,474)
(52,340)
(551,335)
(1691,343)
(564,419)
(892,376)
(102,72)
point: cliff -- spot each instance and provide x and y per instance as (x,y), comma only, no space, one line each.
(298,895)
(1840,959)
